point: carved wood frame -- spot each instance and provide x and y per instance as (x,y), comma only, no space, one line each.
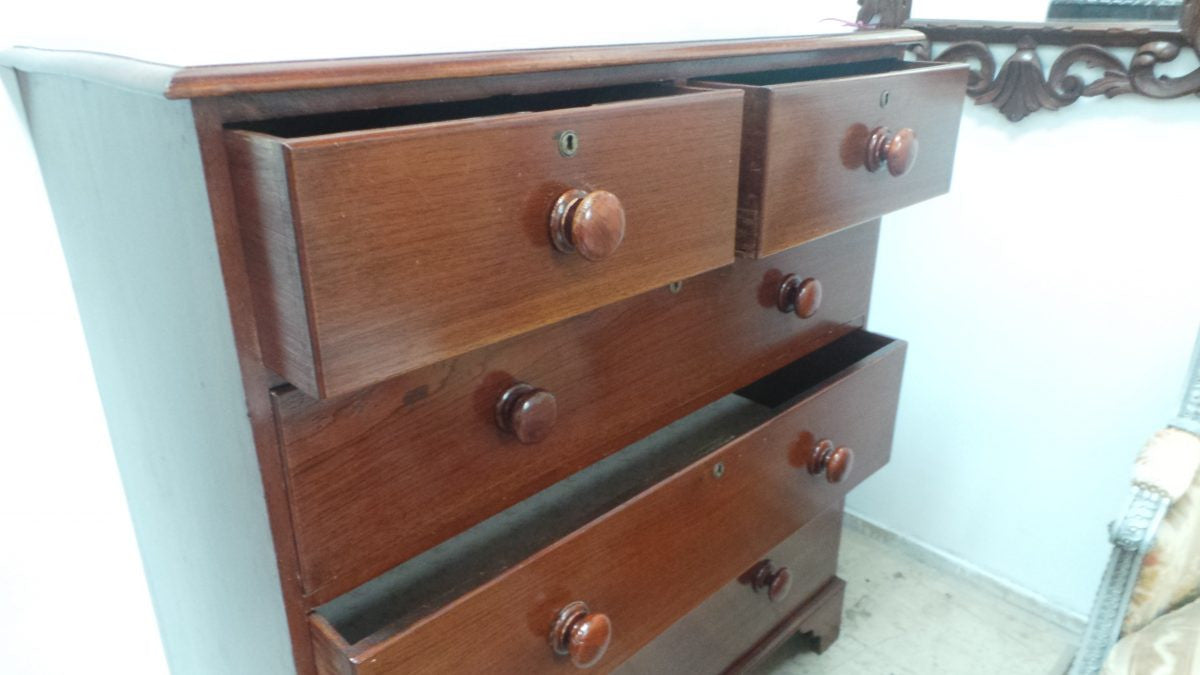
(1020,86)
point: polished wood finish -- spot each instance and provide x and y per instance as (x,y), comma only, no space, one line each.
(372,244)
(424,433)
(626,560)
(802,296)
(805,146)
(729,625)
(580,634)
(591,223)
(364,468)
(526,412)
(776,581)
(834,462)
(203,80)
(819,619)
(898,150)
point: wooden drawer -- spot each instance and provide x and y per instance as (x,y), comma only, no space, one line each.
(805,167)
(378,476)
(730,626)
(382,241)
(650,560)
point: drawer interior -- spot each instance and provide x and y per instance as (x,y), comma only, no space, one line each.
(768,78)
(359,120)
(415,589)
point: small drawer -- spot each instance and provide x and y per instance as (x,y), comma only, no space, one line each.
(379,242)
(380,475)
(825,148)
(594,568)
(735,623)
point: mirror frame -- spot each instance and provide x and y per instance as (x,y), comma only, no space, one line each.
(1021,86)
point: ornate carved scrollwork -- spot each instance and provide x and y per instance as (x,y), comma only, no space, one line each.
(1022,86)
(883,13)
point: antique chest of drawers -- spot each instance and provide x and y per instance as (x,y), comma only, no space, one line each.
(508,363)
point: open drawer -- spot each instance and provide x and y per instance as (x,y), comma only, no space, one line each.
(592,569)
(826,148)
(381,241)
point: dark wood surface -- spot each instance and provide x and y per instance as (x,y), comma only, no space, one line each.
(365,469)
(805,146)
(732,621)
(416,244)
(717,516)
(257,380)
(197,80)
(819,619)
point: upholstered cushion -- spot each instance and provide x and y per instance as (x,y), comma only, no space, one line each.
(1170,574)
(1170,645)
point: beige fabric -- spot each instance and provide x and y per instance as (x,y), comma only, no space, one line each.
(1170,574)
(1168,646)
(1168,462)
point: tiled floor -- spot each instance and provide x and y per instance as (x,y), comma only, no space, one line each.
(902,616)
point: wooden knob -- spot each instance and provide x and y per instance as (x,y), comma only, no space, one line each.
(580,634)
(836,462)
(777,581)
(592,223)
(526,412)
(800,296)
(897,150)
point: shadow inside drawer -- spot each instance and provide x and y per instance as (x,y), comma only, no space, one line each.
(405,594)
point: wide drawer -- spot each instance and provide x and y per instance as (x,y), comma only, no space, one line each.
(490,599)
(735,622)
(826,148)
(380,475)
(382,241)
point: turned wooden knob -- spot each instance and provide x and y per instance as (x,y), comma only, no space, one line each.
(802,296)
(777,580)
(580,634)
(526,412)
(897,150)
(592,223)
(836,462)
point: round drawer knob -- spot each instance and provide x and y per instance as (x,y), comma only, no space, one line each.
(776,580)
(526,412)
(835,462)
(580,635)
(802,296)
(898,150)
(592,223)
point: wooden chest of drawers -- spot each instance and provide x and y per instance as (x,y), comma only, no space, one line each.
(516,363)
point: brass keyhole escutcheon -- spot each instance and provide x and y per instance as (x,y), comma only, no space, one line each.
(568,143)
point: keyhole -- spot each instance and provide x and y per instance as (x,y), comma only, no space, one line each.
(568,143)
(884,98)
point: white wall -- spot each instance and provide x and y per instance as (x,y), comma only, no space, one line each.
(1050,301)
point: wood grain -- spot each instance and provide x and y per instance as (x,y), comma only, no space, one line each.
(805,143)
(731,621)
(416,244)
(194,80)
(256,379)
(626,563)
(364,468)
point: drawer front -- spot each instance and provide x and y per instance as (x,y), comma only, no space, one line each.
(644,565)
(376,252)
(363,470)
(733,622)
(805,168)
